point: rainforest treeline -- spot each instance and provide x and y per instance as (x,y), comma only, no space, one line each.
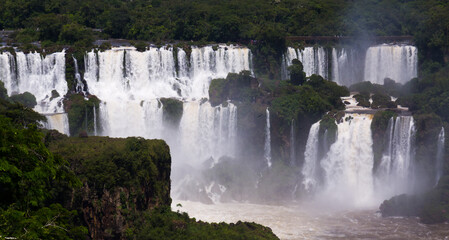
(69,21)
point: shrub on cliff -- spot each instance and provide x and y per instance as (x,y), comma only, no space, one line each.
(297,74)
(328,90)
(26,98)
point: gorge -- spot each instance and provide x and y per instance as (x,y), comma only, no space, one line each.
(164,92)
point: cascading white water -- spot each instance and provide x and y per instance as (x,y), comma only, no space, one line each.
(153,74)
(391,61)
(131,84)
(351,65)
(37,75)
(347,68)
(440,156)
(267,147)
(59,122)
(314,61)
(396,167)
(348,165)
(79,84)
(311,161)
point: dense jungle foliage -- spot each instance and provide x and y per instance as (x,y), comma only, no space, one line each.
(261,23)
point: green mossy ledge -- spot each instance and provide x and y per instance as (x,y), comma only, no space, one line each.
(126,191)
(238,87)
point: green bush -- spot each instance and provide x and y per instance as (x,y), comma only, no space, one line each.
(26,98)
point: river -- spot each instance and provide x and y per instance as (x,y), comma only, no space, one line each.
(307,221)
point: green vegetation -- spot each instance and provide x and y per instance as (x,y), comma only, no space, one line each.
(262,24)
(172,111)
(382,101)
(363,99)
(297,74)
(238,87)
(81,113)
(31,178)
(27,99)
(164,224)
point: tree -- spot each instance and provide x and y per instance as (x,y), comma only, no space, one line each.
(297,74)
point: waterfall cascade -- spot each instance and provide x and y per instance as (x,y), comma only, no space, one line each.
(267,147)
(314,61)
(347,168)
(79,83)
(440,156)
(350,65)
(395,172)
(131,83)
(311,161)
(399,63)
(37,75)
(128,74)
(40,76)
(58,121)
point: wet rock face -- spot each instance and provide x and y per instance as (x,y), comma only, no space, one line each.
(121,178)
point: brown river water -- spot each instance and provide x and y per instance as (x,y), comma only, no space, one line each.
(309,222)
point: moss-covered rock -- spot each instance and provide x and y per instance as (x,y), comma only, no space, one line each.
(172,111)
(363,99)
(81,113)
(431,207)
(238,87)
(382,101)
(121,178)
(328,132)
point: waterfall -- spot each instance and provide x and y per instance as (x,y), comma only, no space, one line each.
(384,168)
(153,74)
(440,156)
(347,66)
(79,83)
(311,161)
(95,120)
(351,65)
(393,61)
(292,144)
(348,165)
(395,173)
(58,121)
(131,83)
(38,75)
(267,148)
(314,61)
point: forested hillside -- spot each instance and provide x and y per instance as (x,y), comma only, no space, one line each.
(222,21)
